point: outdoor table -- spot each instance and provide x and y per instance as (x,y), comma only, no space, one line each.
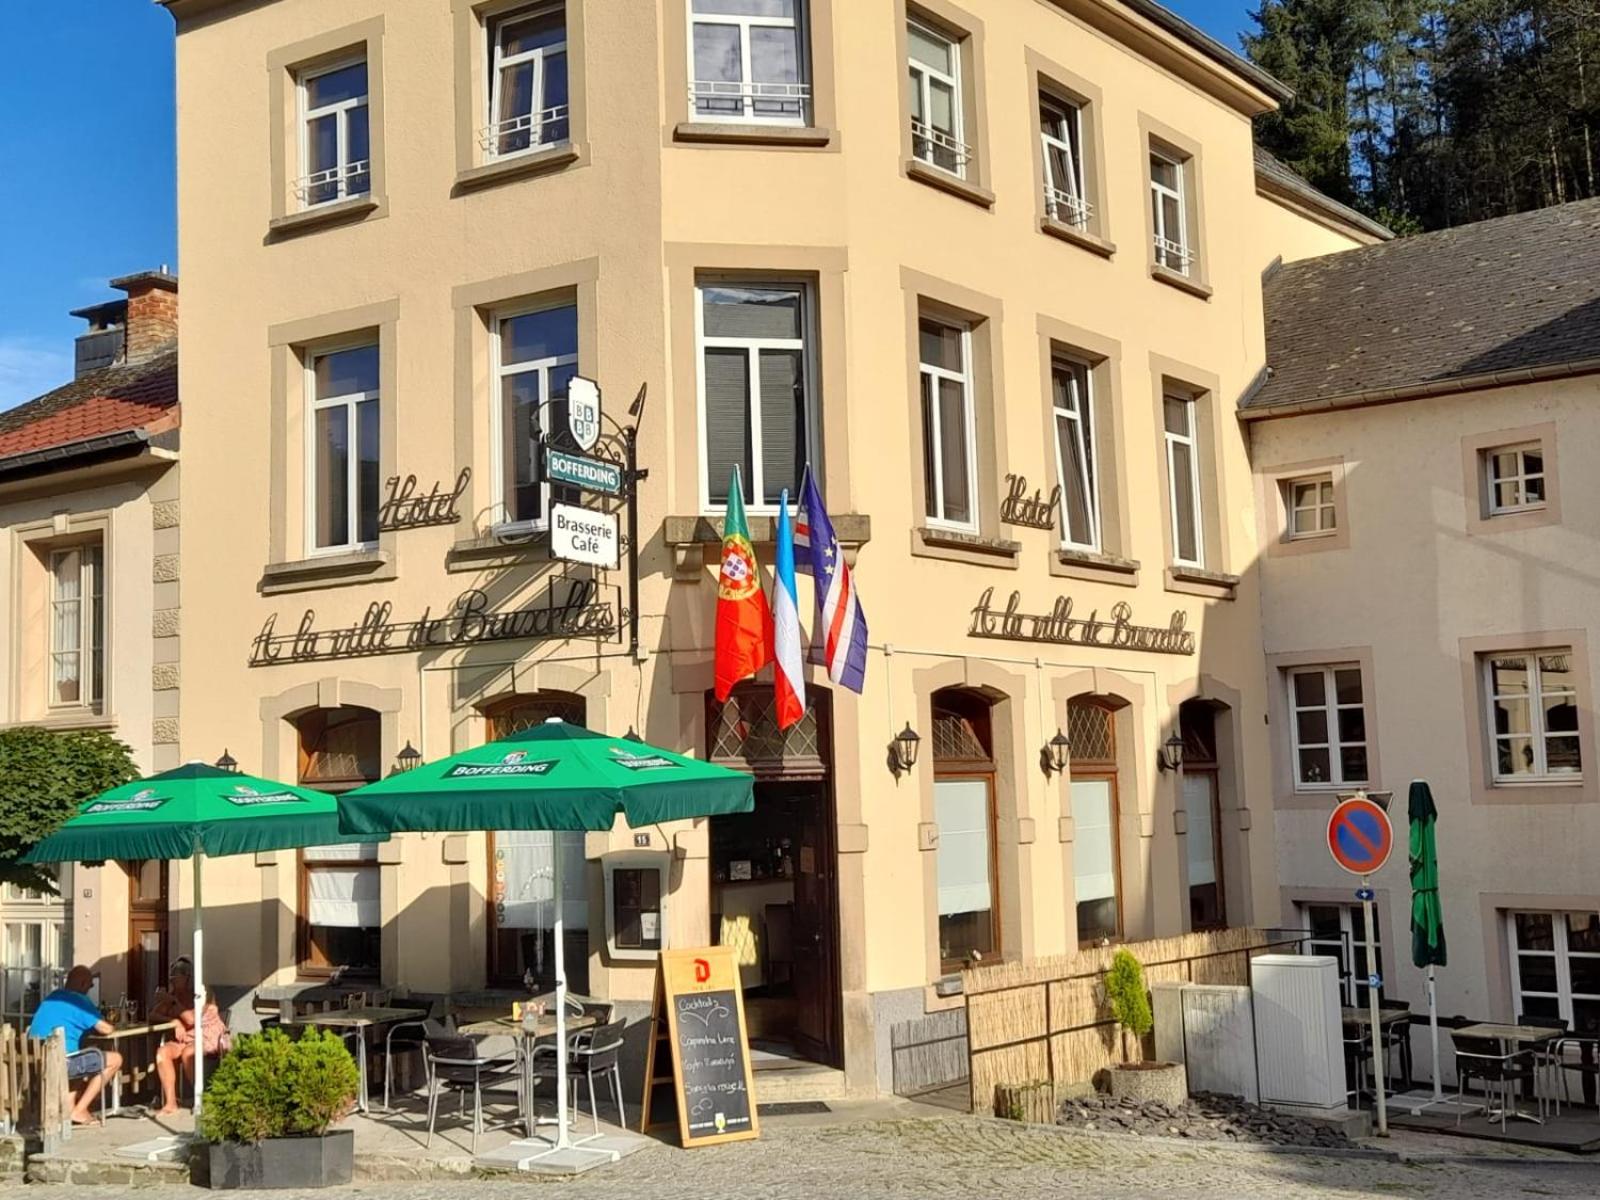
(118,1035)
(1509,1036)
(543,1027)
(360,1020)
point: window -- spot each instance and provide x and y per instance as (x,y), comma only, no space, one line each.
(536,356)
(77,626)
(963,803)
(1328,727)
(748,61)
(1338,931)
(1169,209)
(528,102)
(1076,466)
(949,431)
(1061,135)
(937,123)
(1096,873)
(340,912)
(1555,967)
(1515,478)
(342,507)
(1183,480)
(335,145)
(1533,716)
(1310,506)
(1197,723)
(636,909)
(757,406)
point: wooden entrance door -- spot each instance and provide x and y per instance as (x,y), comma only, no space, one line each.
(148,952)
(818,1015)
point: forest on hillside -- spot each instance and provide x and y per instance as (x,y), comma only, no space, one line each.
(1432,113)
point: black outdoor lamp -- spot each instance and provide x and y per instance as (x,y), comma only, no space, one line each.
(903,750)
(408,759)
(1056,753)
(228,763)
(632,736)
(1171,758)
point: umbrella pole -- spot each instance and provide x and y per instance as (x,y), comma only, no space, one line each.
(562,1141)
(1433,1034)
(199,984)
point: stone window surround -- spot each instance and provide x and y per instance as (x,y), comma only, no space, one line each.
(968,33)
(926,295)
(1492,907)
(1481,788)
(290,565)
(1157,137)
(1233,837)
(1474,466)
(1049,78)
(284,66)
(1271,500)
(1212,580)
(36,540)
(682,129)
(1288,793)
(1383,906)
(469,20)
(1113,563)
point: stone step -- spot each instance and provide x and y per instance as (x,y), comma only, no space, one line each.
(807,1081)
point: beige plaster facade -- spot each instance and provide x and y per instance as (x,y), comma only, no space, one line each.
(623,220)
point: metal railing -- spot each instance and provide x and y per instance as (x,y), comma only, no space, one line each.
(939,149)
(1173,255)
(749,100)
(545,127)
(1067,208)
(336,183)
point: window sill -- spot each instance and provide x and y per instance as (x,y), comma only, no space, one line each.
(1099,567)
(1512,522)
(503,170)
(487,553)
(333,570)
(688,537)
(1196,581)
(1077,237)
(357,208)
(966,547)
(946,182)
(1177,279)
(711,133)
(64,722)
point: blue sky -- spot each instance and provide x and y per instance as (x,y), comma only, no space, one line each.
(87,191)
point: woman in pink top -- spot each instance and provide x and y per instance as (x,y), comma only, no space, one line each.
(214,1035)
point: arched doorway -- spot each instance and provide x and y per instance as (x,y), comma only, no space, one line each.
(964,810)
(1096,820)
(1202,803)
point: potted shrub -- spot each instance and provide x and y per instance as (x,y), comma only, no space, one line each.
(1134,1078)
(269,1110)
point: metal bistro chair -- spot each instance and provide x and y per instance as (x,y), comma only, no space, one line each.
(412,1035)
(1397,1038)
(1357,1053)
(458,1064)
(1547,1055)
(1483,1059)
(591,1054)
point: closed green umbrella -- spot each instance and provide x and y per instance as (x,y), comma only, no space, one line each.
(194,811)
(1427,920)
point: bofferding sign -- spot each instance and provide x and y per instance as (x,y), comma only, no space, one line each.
(583,535)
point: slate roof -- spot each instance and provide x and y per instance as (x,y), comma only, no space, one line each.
(114,399)
(1278,176)
(1478,305)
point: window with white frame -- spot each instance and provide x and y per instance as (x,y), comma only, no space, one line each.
(1328,726)
(1339,931)
(1169,207)
(77,626)
(1533,715)
(949,432)
(938,129)
(528,100)
(1311,509)
(535,358)
(1555,967)
(758,410)
(1183,480)
(342,449)
(1061,136)
(335,143)
(1515,478)
(747,61)
(1076,465)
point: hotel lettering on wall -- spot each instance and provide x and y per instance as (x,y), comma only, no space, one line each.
(404,508)
(1037,511)
(1061,626)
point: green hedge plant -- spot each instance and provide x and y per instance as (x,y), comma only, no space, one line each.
(1130,1002)
(270,1087)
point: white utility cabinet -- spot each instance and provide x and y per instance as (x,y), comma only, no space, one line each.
(1299,1038)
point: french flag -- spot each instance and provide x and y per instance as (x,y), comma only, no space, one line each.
(789,683)
(841,625)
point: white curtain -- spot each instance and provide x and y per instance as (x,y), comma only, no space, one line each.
(1093,840)
(344,897)
(961,808)
(1202,829)
(524,880)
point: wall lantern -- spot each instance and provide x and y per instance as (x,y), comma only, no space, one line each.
(409,759)
(227,762)
(1055,754)
(1171,758)
(903,750)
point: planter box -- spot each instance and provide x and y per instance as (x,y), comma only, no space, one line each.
(302,1162)
(1166,1083)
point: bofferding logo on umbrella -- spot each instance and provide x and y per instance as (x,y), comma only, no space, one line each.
(640,762)
(515,763)
(248,797)
(145,800)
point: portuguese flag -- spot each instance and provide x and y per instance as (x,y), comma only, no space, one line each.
(744,622)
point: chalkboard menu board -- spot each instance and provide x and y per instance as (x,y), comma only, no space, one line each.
(699,1028)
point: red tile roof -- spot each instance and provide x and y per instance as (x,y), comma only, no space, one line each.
(107,401)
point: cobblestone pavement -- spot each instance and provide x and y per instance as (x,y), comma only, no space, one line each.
(965,1157)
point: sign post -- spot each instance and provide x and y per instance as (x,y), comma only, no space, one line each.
(1360,839)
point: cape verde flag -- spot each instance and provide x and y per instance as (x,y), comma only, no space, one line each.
(840,638)
(789,681)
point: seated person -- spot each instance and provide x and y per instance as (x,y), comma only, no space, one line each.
(177,1004)
(70,1010)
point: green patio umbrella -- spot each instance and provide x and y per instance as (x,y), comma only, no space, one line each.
(1427,921)
(553,777)
(194,811)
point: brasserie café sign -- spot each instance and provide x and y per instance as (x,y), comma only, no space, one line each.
(1063,627)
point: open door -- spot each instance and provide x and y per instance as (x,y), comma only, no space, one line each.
(817,1032)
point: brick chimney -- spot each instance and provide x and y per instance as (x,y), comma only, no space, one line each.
(152,315)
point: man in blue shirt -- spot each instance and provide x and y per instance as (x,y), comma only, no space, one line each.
(70,1010)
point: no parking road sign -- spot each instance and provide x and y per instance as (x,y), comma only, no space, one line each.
(1360,836)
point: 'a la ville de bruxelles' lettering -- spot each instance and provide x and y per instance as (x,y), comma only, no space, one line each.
(1060,627)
